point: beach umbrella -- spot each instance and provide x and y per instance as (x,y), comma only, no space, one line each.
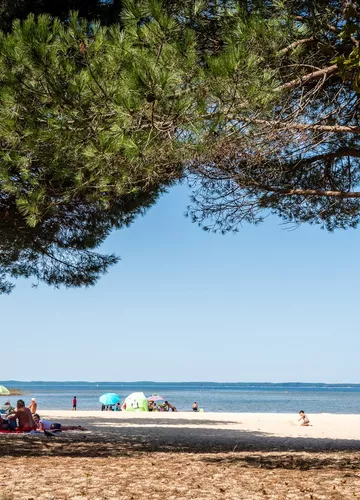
(136,402)
(4,391)
(155,397)
(109,399)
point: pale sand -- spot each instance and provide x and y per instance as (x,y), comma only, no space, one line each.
(223,430)
(183,456)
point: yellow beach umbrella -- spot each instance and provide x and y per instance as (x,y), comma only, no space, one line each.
(4,391)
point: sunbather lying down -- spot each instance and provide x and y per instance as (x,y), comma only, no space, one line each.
(45,425)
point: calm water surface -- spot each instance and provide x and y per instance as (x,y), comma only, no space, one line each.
(240,397)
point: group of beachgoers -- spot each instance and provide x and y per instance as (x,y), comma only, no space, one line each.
(26,419)
(152,406)
(165,406)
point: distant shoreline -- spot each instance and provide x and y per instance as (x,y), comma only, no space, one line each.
(195,383)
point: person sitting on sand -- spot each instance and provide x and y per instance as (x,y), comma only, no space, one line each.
(24,417)
(304,418)
(195,406)
(45,425)
(7,408)
(33,406)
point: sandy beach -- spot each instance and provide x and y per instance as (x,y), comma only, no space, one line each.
(185,455)
(323,426)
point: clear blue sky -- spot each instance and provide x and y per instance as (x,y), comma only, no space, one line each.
(266,304)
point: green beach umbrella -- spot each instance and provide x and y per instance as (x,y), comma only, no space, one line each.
(136,402)
(4,391)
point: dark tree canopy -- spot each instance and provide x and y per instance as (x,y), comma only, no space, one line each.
(255,102)
(107,11)
(87,138)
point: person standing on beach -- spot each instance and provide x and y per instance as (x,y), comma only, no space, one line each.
(33,406)
(74,403)
(195,406)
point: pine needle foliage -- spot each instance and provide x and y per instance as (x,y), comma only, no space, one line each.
(93,128)
(255,102)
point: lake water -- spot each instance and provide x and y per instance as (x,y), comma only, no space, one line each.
(217,397)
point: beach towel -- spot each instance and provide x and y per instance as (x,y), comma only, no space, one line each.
(8,431)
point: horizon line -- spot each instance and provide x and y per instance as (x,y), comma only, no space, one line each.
(173,382)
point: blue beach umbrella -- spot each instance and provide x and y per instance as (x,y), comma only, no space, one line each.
(109,399)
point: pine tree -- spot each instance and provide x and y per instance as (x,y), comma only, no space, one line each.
(90,137)
(255,102)
(291,146)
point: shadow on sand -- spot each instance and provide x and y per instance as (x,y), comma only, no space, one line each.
(290,461)
(165,435)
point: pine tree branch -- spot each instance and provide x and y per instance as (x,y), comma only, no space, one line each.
(304,192)
(318,193)
(308,78)
(355,153)
(304,126)
(293,45)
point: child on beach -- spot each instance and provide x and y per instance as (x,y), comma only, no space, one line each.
(74,403)
(304,418)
